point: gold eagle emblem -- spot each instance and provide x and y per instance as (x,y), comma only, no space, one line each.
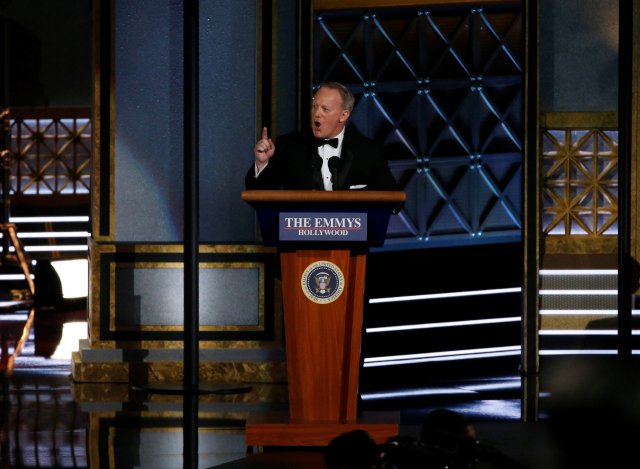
(323,283)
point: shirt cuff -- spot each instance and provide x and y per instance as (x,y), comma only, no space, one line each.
(258,171)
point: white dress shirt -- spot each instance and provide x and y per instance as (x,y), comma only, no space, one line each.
(325,152)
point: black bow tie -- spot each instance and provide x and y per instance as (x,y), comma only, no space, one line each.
(327,141)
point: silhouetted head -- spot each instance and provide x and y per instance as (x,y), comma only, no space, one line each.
(352,450)
(445,426)
(594,412)
(450,433)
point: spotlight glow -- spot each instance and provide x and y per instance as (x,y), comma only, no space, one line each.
(72,333)
(57,248)
(579,292)
(551,352)
(413,327)
(74,276)
(432,296)
(54,234)
(578,332)
(50,219)
(573,272)
(452,355)
(580,312)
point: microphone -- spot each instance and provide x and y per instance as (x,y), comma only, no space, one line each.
(335,164)
(315,162)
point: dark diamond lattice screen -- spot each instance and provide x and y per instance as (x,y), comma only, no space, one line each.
(443,87)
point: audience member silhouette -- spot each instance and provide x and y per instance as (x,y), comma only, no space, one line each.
(447,440)
(355,449)
(594,412)
(452,434)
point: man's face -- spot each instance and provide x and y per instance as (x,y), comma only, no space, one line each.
(327,116)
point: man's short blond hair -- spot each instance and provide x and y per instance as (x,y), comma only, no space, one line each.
(347,97)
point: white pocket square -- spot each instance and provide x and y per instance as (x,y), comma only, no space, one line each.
(358,186)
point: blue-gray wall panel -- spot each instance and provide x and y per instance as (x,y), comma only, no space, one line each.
(578,55)
(149,121)
(288,48)
(154,296)
(229,77)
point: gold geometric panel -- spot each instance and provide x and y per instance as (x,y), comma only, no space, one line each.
(50,154)
(580,182)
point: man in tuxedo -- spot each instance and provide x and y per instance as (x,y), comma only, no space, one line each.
(328,156)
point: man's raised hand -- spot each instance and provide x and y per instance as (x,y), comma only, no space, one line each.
(264,149)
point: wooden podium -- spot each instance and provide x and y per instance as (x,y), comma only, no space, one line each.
(323,238)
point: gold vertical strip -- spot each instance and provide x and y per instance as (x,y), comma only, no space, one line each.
(300,75)
(259,49)
(97,192)
(306,76)
(93,299)
(95,117)
(634,225)
(112,121)
(274,67)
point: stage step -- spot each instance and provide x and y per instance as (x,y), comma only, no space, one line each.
(579,307)
(437,320)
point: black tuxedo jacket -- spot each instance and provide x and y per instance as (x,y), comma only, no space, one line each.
(295,165)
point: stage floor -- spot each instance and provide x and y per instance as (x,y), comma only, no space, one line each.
(49,421)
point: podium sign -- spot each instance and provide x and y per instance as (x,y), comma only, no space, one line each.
(323,239)
(316,227)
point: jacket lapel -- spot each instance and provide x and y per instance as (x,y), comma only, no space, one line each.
(346,159)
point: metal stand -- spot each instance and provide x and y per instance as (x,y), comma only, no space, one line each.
(9,231)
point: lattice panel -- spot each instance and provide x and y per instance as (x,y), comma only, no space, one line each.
(443,87)
(50,155)
(580,188)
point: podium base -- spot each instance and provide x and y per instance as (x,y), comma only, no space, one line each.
(278,430)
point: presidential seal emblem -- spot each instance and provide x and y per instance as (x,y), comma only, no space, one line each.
(322,282)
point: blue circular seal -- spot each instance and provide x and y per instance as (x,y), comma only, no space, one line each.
(322,282)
